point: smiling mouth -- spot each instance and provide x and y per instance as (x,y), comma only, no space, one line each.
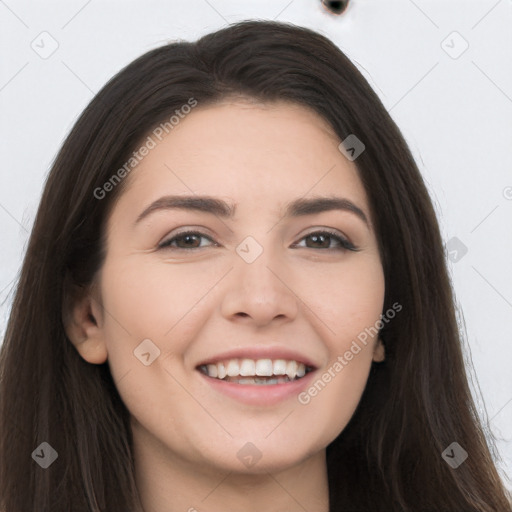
(256,371)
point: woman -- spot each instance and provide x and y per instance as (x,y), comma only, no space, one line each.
(264,368)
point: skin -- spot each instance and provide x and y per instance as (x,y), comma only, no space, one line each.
(207,300)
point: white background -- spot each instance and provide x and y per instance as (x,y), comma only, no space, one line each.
(454,109)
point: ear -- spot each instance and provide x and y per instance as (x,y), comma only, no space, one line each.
(379,352)
(82,316)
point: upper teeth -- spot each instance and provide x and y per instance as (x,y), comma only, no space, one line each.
(258,367)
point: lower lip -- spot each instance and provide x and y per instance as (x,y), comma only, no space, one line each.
(262,394)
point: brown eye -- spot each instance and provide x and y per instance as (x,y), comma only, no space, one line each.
(321,237)
(189,239)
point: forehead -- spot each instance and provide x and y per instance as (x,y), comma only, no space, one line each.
(249,152)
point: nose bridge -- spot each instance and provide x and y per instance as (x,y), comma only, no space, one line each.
(259,261)
(259,285)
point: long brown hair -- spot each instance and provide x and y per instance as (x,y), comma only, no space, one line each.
(416,403)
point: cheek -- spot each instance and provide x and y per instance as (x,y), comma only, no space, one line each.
(154,301)
(348,299)
(142,305)
(349,318)
(149,299)
(335,394)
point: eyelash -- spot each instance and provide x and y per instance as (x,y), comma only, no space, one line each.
(345,244)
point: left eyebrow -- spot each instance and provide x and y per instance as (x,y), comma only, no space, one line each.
(296,208)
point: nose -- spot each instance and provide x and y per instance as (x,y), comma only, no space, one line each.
(260,292)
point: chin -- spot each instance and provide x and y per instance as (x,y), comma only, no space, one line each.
(260,456)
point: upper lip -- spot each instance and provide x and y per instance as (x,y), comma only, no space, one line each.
(259,352)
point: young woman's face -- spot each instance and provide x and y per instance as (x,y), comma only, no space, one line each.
(265,288)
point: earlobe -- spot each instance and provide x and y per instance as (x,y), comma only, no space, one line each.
(81,316)
(379,352)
